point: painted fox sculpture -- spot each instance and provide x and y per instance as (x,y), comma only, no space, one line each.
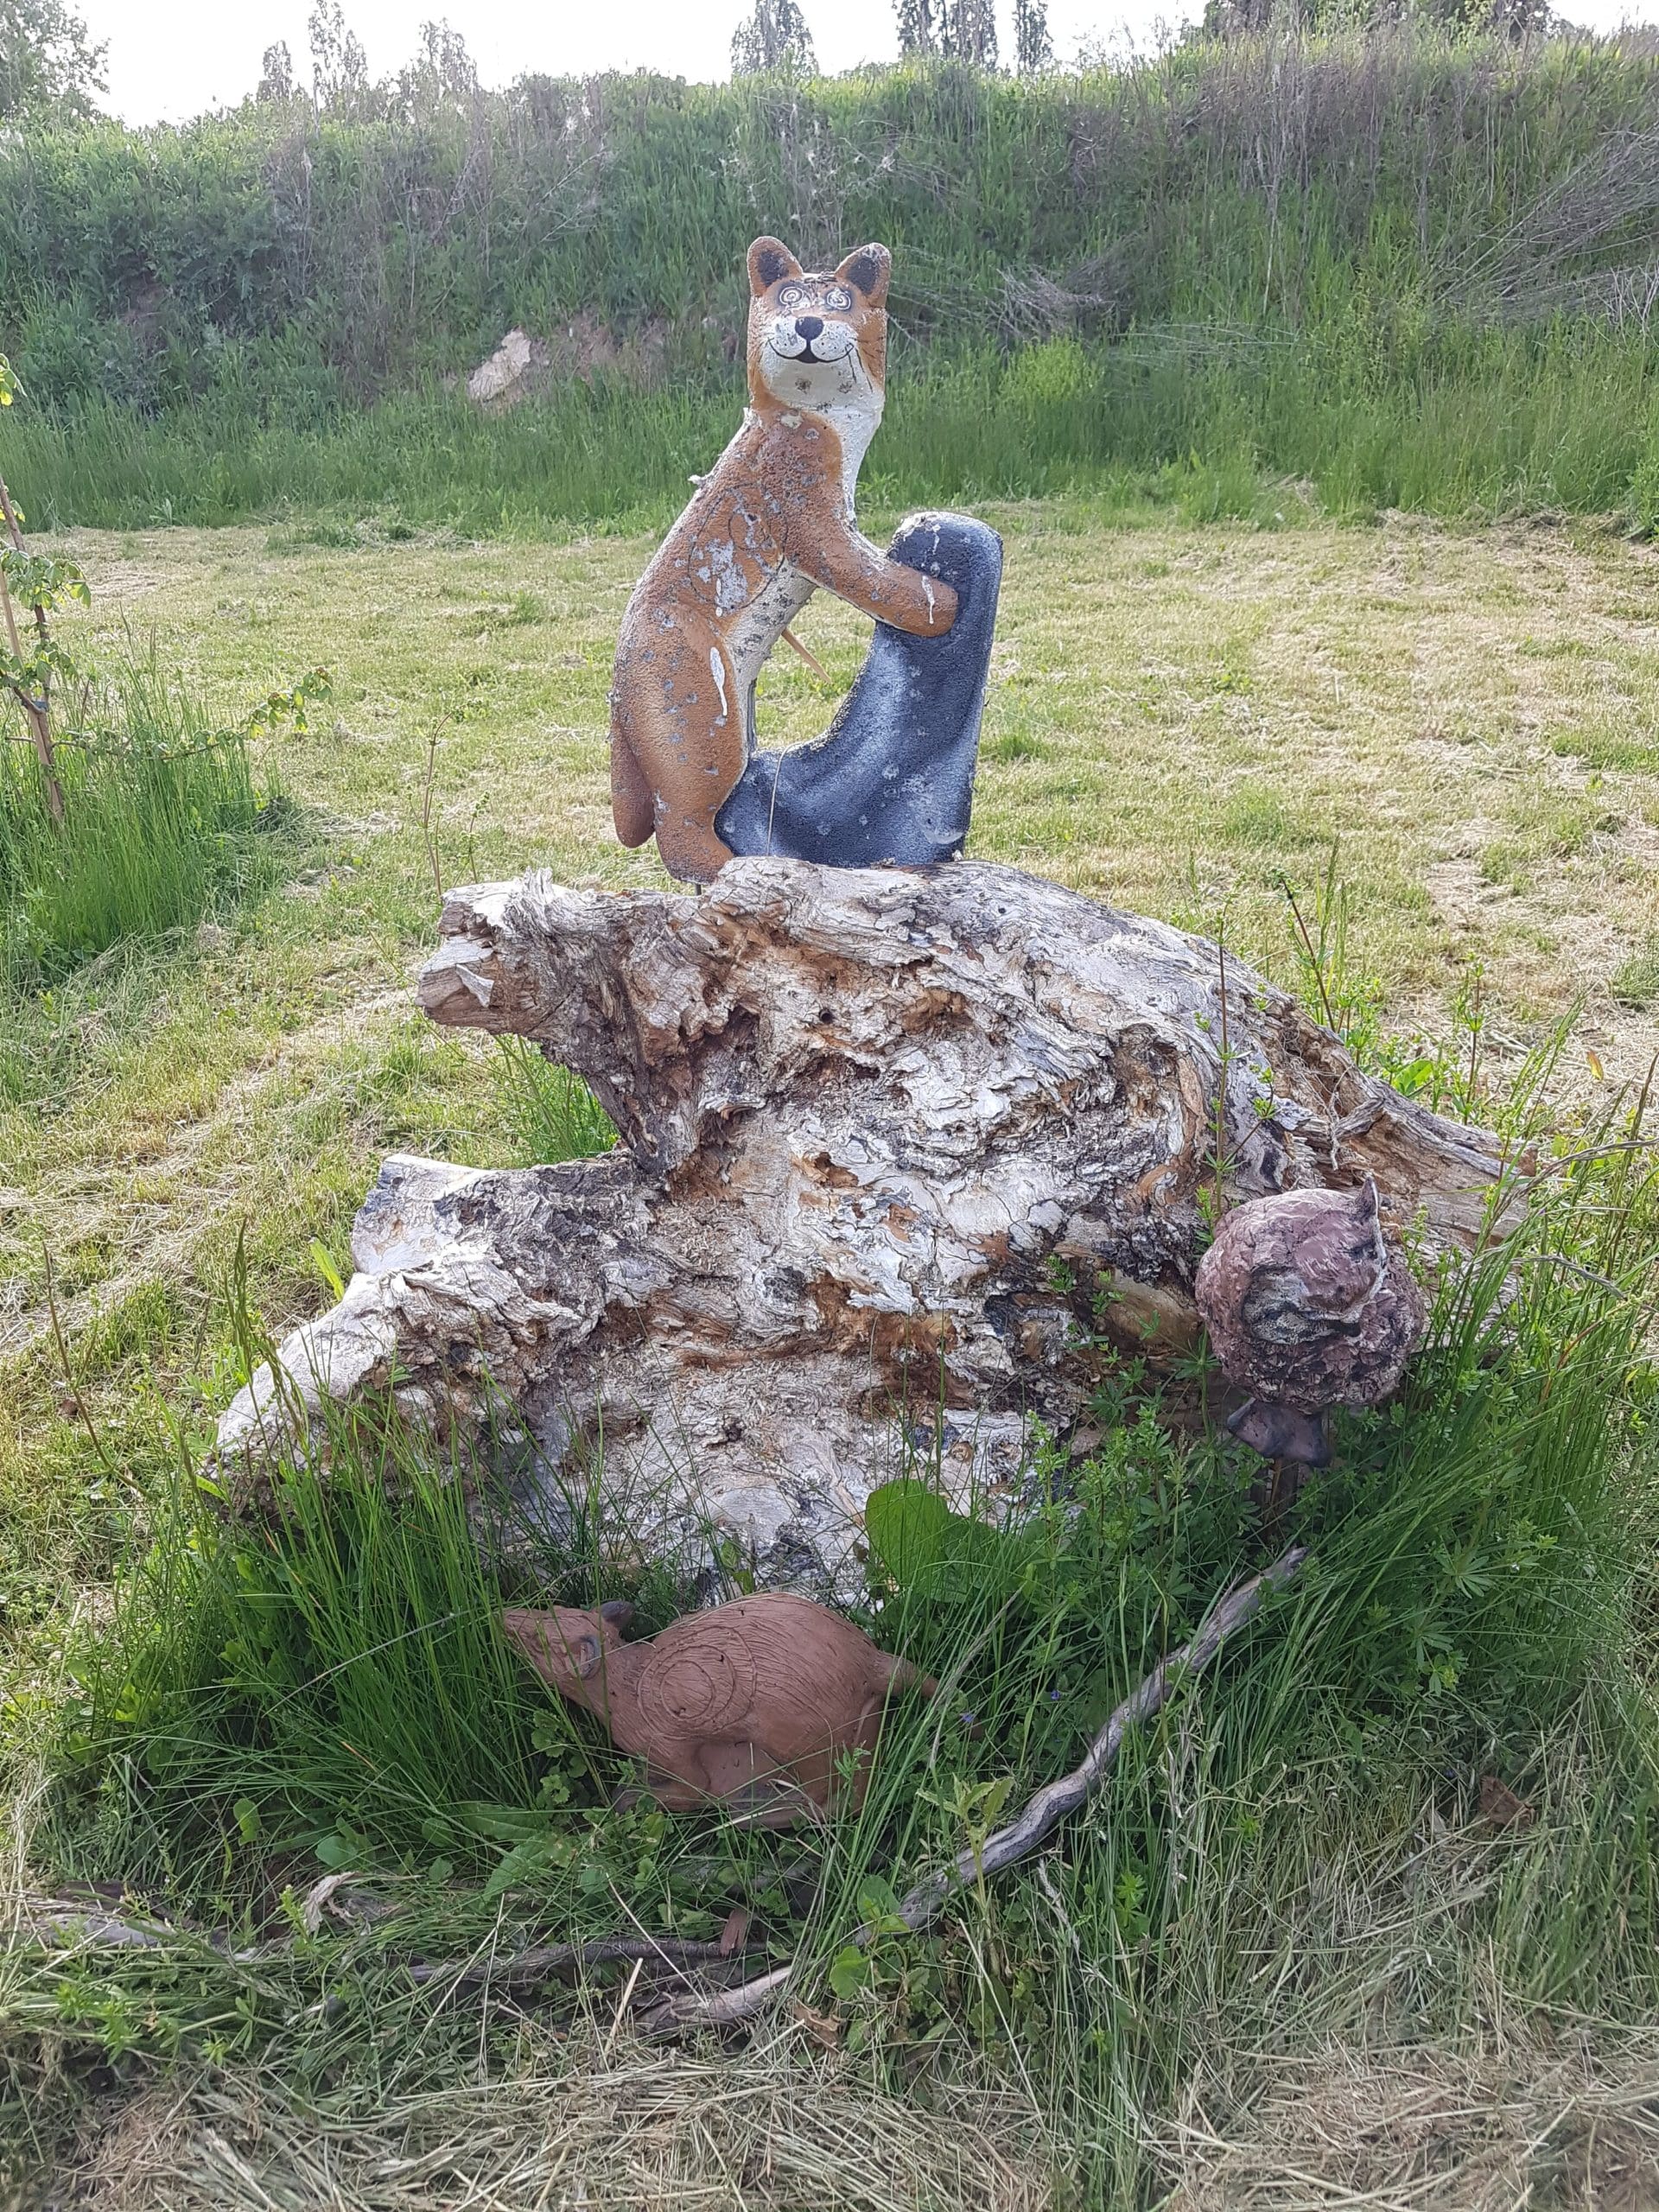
(773,520)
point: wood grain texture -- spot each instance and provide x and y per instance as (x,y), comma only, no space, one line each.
(864,1114)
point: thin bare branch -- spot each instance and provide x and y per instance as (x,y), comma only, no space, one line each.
(1036,1820)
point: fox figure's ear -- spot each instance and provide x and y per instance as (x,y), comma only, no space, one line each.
(770,262)
(866,269)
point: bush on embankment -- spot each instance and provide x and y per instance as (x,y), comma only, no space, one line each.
(1413,270)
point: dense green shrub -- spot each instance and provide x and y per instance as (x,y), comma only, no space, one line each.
(1366,185)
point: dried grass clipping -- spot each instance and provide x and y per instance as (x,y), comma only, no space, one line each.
(601,2124)
(1421,2128)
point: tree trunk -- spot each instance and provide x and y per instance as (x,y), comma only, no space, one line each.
(886,1136)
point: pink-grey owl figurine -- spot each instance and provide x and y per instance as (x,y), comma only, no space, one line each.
(1308,1306)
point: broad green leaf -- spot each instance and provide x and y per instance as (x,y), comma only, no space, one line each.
(849,1970)
(925,1547)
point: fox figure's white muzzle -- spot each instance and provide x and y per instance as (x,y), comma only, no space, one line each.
(830,342)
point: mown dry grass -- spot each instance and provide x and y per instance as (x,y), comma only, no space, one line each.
(1512,2121)
(604,2122)
(597,2121)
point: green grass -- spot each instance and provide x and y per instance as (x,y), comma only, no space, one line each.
(1635,981)
(1374,190)
(1367,270)
(163,827)
(550,1113)
(1289,1879)
(160,815)
(1177,716)
(1507,422)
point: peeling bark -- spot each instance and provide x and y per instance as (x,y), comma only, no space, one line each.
(863,1113)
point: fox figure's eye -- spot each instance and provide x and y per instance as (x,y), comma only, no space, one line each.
(838,298)
(791,296)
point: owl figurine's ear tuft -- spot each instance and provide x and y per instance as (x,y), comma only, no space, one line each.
(770,262)
(866,269)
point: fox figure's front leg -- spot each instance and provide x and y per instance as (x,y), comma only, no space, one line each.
(699,756)
(679,736)
(892,780)
(908,599)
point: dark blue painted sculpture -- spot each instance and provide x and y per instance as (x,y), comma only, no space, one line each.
(892,780)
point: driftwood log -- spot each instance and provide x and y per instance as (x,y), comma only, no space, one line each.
(886,1138)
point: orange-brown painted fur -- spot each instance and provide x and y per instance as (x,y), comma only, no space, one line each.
(758,1702)
(771,521)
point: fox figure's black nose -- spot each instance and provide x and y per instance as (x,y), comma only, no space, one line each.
(807,326)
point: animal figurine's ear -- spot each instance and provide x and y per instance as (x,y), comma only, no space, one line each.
(618,1611)
(866,269)
(770,262)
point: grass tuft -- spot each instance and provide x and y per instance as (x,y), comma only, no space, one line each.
(548,1113)
(162,815)
(163,827)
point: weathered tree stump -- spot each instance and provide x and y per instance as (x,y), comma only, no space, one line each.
(874,1124)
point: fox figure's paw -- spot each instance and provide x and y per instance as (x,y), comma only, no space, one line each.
(891,782)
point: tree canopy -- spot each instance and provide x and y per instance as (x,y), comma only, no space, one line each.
(774,37)
(49,68)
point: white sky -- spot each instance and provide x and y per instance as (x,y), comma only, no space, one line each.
(169,58)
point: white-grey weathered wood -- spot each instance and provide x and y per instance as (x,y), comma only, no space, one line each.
(864,1114)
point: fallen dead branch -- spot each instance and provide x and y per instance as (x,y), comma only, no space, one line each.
(53,1921)
(59,1923)
(1036,1820)
(527,1969)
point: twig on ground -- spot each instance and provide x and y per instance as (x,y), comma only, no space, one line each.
(1036,1820)
(525,1969)
(56,1923)
(59,1923)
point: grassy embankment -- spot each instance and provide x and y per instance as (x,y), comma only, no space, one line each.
(1296,1863)
(1395,271)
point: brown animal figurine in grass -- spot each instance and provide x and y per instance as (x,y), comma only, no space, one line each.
(754,1703)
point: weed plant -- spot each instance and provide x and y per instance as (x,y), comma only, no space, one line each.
(1365,186)
(323,1687)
